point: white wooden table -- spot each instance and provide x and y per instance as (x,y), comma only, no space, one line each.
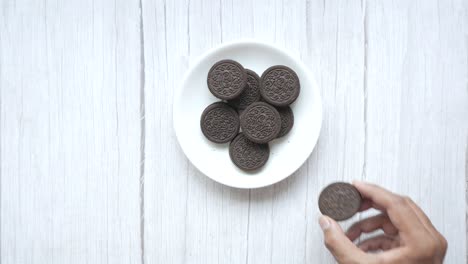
(90,168)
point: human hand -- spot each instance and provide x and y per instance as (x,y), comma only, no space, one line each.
(409,235)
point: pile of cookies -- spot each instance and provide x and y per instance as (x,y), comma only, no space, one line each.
(254,110)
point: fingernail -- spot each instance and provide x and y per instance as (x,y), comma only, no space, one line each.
(324,223)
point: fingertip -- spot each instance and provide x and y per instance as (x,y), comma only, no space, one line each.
(364,248)
(324,222)
(361,187)
(353,233)
(359,184)
(365,205)
(337,242)
(333,223)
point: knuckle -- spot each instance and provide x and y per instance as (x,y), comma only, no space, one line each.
(430,250)
(444,244)
(426,250)
(407,199)
(432,247)
(399,201)
(354,227)
(365,224)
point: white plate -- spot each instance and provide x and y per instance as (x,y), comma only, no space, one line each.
(287,154)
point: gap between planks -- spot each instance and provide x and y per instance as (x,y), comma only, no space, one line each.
(142,135)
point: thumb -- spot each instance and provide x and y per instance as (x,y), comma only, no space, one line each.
(338,243)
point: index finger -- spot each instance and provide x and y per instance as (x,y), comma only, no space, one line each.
(377,195)
(397,207)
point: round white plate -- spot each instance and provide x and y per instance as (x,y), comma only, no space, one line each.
(287,154)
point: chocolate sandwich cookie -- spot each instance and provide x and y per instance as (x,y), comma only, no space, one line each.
(287,120)
(227,79)
(251,94)
(260,122)
(279,86)
(219,122)
(248,155)
(340,201)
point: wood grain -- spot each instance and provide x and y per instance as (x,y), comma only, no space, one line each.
(91,170)
(417,109)
(166,168)
(69,78)
(337,43)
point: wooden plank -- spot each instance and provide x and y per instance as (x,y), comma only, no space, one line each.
(166,35)
(417,108)
(166,177)
(70,129)
(335,37)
